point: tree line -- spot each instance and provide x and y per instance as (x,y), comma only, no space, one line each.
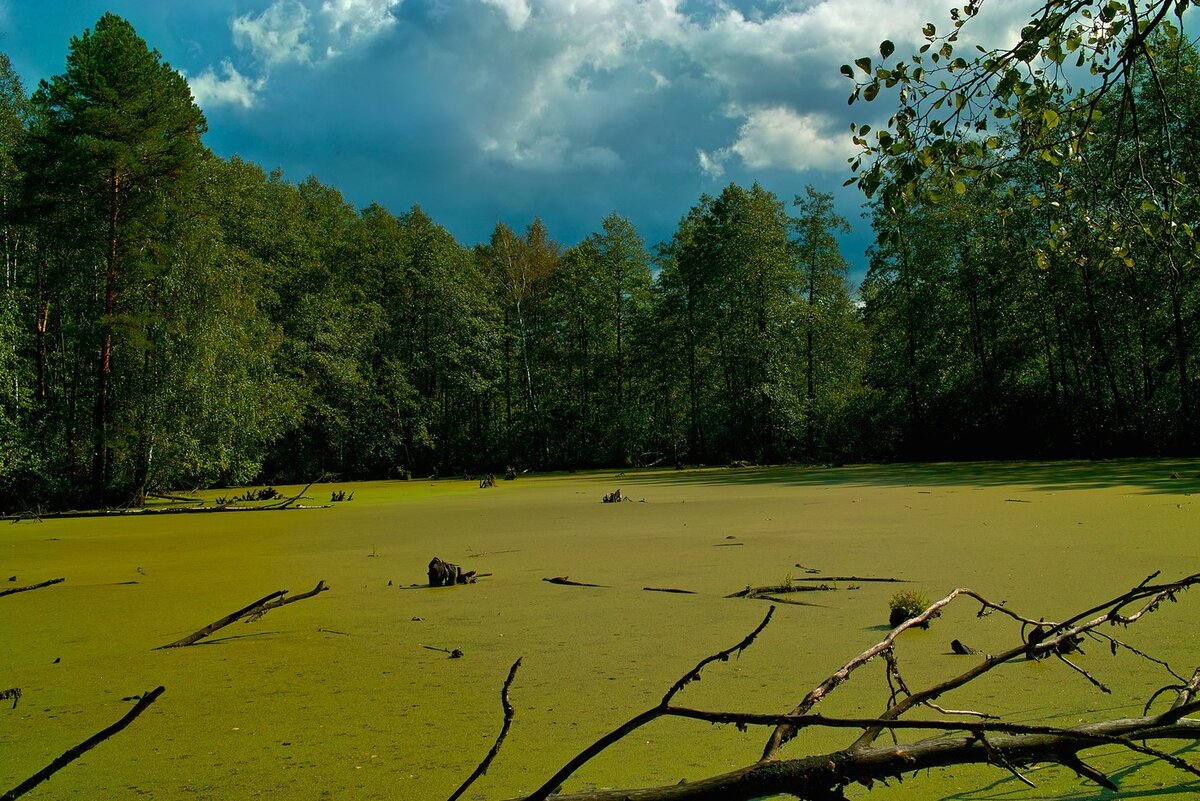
(174,319)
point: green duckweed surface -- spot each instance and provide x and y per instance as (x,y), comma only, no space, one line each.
(335,698)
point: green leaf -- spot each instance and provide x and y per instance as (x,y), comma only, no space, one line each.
(864,64)
(886,48)
(848,71)
(1050,118)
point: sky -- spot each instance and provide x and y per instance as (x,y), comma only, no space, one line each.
(482,111)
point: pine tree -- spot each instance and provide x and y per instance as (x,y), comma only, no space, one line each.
(114,139)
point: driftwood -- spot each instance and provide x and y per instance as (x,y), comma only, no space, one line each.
(71,754)
(778,589)
(849,578)
(668,589)
(615,497)
(566,582)
(254,611)
(15,590)
(981,738)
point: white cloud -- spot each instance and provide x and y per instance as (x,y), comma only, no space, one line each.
(547,85)
(567,70)
(516,12)
(350,22)
(712,163)
(535,101)
(780,138)
(291,32)
(278,35)
(230,88)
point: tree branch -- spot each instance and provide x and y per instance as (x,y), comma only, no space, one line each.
(1008,746)
(71,754)
(509,712)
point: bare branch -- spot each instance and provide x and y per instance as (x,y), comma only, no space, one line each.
(637,721)
(71,754)
(1009,746)
(509,712)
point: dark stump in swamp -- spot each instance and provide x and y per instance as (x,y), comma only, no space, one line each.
(445,574)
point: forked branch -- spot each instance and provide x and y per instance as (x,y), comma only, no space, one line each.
(975,738)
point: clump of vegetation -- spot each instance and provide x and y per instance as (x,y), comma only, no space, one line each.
(907,604)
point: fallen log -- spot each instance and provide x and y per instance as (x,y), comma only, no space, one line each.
(71,754)
(849,578)
(568,583)
(15,590)
(216,625)
(981,737)
(668,589)
(777,589)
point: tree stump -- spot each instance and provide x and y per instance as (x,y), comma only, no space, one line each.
(445,574)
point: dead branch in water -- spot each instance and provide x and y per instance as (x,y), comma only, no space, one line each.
(849,578)
(779,589)
(509,712)
(254,610)
(566,582)
(15,590)
(981,738)
(259,611)
(71,754)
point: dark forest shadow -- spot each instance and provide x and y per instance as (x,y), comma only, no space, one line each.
(1150,476)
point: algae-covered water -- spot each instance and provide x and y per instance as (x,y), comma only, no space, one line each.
(335,697)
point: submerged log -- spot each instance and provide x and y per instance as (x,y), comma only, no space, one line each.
(850,578)
(71,754)
(15,590)
(777,589)
(568,583)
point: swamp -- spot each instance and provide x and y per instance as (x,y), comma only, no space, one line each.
(354,694)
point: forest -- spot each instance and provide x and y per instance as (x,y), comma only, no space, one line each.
(175,319)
